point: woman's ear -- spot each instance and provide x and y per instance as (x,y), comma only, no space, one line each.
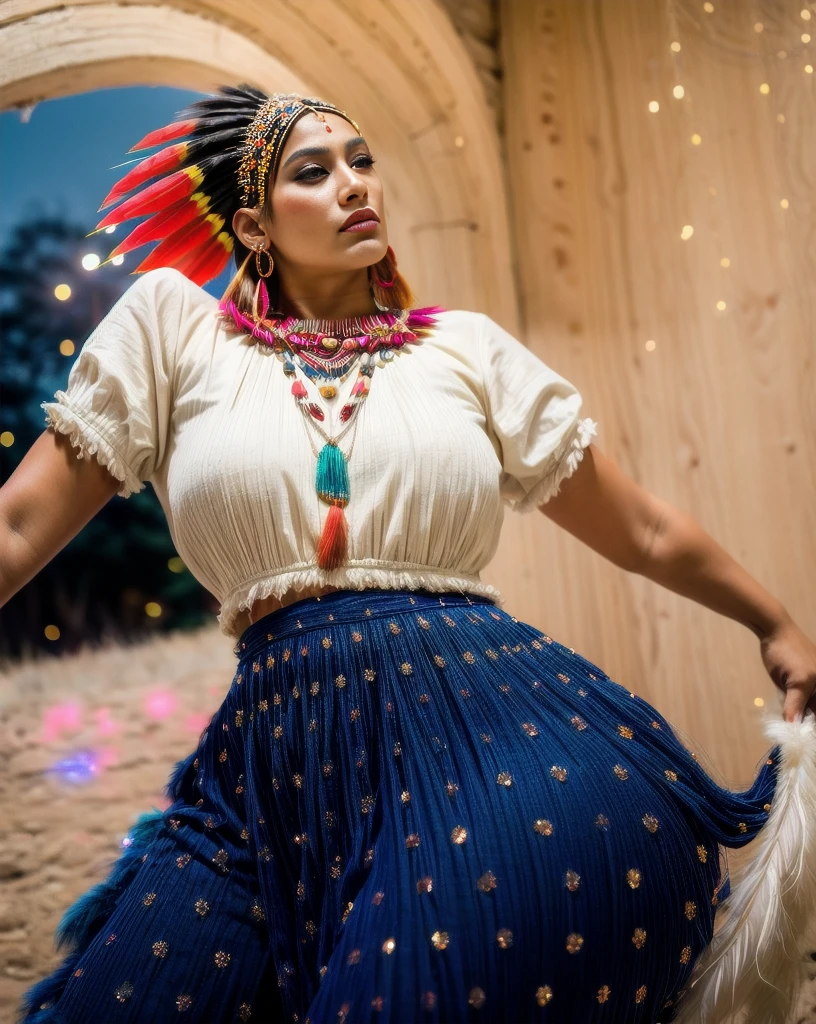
(247,229)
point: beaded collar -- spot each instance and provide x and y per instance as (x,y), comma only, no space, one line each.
(385,329)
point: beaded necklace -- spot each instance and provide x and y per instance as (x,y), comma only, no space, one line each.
(329,350)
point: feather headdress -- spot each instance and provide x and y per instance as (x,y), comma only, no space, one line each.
(215,159)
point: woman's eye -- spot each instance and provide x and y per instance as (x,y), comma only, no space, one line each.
(314,172)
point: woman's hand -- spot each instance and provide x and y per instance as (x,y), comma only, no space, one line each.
(790,658)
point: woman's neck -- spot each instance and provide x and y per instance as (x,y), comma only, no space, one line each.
(327,300)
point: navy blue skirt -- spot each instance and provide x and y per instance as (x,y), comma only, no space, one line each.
(411,807)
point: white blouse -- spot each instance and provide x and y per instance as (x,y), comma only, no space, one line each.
(453,427)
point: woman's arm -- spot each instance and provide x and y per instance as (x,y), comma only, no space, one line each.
(644,534)
(45,502)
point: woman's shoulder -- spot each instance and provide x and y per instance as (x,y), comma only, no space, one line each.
(166,284)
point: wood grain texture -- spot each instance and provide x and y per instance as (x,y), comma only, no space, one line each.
(719,418)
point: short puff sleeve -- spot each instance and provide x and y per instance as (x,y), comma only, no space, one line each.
(533,414)
(118,400)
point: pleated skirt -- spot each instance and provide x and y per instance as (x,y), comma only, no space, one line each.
(411,807)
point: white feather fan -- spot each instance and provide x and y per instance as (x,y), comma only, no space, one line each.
(752,970)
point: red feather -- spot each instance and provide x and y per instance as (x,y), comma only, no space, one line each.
(155,197)
(180,242)
(165,160)
(171,131)
(159,225)
(210,262)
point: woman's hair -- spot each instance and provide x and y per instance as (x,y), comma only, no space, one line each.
(223,146)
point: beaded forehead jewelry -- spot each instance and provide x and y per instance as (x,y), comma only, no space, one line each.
(266,136)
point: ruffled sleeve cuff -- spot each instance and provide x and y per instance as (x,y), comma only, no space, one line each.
(564,463)
(65,418)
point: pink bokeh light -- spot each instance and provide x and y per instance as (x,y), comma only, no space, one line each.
(197,722)
(160,704)
(60,718)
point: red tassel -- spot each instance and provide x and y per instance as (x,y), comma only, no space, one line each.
(182,242)
(162,193)
(171,131)
(161,162)
(331,550)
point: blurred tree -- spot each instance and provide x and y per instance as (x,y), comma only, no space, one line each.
(123,562)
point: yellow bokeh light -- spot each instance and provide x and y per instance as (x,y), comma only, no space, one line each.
(7,439)
(66,347)
(675,46)
(90,261)
(459,141)
(687,232)
(117,261)
(51,633)
(784,203)
(176,564)
(654,106)
(650,345)
(62,292)
(780,118)
(696,139)
(758,26)
(805,14)
(806,37)
(809,68)
(153,609)
(765,88)
(708,8)
(759,702)
(109,230)
(721,305)
(679,92)
(725,262)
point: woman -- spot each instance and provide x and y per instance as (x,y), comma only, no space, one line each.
(411,805)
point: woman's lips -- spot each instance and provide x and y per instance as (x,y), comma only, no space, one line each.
(362,225)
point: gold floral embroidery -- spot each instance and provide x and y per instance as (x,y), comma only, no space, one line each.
(504,938)
(543,993)
(543,827)
(486,882)
(574,942)
(604,992)
(639,937)
(633,878)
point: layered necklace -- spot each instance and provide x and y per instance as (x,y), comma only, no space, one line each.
(327,351)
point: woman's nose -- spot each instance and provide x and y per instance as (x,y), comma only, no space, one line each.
(353,185)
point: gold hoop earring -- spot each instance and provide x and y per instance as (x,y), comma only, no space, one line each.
(258,250)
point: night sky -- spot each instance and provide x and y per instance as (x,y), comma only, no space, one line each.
(61,162)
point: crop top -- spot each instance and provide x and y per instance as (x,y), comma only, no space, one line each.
(454,428)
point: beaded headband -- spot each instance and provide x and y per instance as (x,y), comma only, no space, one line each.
(266,136)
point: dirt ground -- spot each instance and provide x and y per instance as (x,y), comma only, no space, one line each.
(89,743)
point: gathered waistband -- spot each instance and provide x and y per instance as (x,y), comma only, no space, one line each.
(342,606)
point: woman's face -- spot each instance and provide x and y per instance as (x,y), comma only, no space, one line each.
(322,178)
